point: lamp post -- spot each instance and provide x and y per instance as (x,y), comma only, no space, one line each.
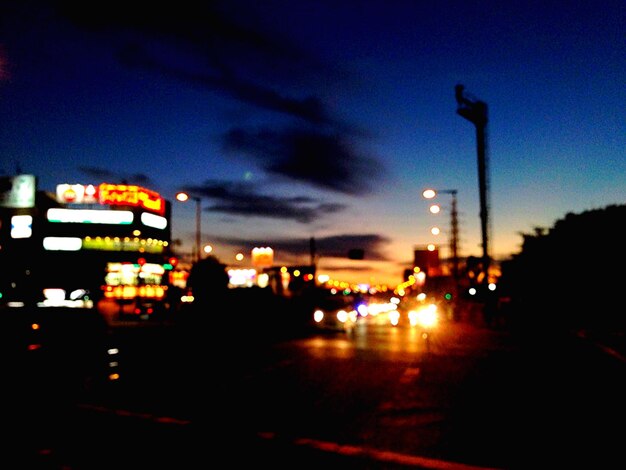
(475,111)
(454,228)
(184,197)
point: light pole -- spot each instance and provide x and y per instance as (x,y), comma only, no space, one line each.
(475,111)
(184,197)
(454,228)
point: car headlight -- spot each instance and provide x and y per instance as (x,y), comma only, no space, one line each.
(318,316)
(342,316)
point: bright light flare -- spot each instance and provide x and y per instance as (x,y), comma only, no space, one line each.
(353,316)
(394,317)
(342,316)
(182,197)
(427,317)
(318,316)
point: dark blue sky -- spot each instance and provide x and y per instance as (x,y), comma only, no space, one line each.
(325,119)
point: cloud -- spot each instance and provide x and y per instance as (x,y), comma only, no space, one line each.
(225,34)
(212,46)
(243,199)
(339,245)
(221,46)
(309,109)
(335,246)
(321,159)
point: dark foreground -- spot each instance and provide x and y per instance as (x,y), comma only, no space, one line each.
(200,397)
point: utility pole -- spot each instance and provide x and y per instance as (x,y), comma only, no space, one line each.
(454,231)
(312,251)
(475,111)
(454,240)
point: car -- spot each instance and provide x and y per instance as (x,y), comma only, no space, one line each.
(335,313)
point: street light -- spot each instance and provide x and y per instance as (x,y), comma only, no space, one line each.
(475,111)
(184,197)
(454,227)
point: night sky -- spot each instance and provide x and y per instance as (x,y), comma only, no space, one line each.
(325,119)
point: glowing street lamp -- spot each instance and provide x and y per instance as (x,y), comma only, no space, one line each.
(429,193)
(184,197)
(454,225)
(434,209)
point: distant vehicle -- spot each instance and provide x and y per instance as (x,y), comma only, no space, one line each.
(335,313)
(140,308)
(145,309)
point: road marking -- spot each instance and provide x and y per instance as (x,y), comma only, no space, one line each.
(606,349)
(133,414)
(341,449)
(379,455)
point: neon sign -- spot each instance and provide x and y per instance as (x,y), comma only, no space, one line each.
(111,194)
(77,194)
(87,216)
(131,195)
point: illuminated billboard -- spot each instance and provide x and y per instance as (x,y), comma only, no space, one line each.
(77,194)
(262,257)
(111,194)
(18,192)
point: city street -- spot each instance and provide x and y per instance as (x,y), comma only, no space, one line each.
(305,235)
(375,397)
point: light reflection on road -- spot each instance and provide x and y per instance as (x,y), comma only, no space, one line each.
(373,335)
(330,347)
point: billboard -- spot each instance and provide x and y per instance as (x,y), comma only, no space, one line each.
(427,260)
(111,194)
(18,192)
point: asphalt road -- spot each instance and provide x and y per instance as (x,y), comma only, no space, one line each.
(207,395)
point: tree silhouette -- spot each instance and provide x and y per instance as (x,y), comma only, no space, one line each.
(571,274)
(208,280)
